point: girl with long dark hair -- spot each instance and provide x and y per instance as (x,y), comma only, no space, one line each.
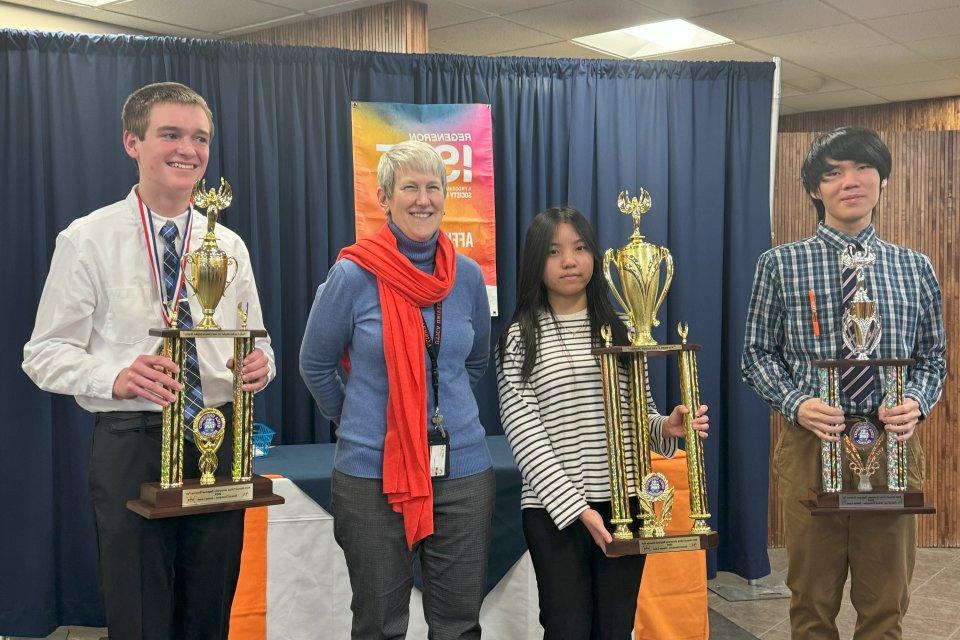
(551,406)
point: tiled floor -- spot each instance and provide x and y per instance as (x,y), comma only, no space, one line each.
(934,606)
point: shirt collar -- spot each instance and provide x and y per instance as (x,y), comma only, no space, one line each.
(839,240)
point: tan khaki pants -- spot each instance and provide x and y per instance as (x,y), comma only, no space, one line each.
(878,550)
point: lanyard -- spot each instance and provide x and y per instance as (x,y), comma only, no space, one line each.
(433,349)
(153,256)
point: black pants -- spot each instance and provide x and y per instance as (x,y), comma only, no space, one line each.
(167,578)
(583,594)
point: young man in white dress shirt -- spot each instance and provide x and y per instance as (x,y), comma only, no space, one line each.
(113,277)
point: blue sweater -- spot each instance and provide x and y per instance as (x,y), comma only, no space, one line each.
(346,316)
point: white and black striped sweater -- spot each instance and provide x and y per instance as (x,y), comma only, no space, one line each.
(554,421)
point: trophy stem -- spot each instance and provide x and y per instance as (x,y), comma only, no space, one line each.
(613,420)
(831,460)
(641,416)
(696,479)
(896,451)
(171,445)
(242,415)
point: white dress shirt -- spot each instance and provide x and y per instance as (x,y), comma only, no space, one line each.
(100,301)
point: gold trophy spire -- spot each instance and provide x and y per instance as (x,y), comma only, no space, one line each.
(638,264)
(208,264)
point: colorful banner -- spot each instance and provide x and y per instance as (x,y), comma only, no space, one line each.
(463,136)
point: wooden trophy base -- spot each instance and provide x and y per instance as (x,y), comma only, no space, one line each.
(666,544)
(851,503)
(193,498)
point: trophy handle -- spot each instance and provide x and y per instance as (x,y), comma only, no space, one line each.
(666,257)
(607,259)
(236,269)
(189,274)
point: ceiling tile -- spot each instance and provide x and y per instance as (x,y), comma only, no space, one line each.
(343,7)
(133,22)
(307,5)
(786,111)
(917,90)
(867,9)
(919,26)
(871,76)
(937,48)
(720,52)
(790,70)
(564,49)
(772,19)
(578,18)
(300,17)
(499,7)
(865,62)
(691,8)
(442,13)
(811,45)
(814,84)
(209,15)
(832,100)
(953,66)
(484,37)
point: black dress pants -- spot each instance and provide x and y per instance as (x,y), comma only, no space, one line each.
(584,595)
(170,578)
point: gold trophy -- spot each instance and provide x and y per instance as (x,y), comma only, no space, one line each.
(861,332)
(639,265)
(208,264)
(172,495)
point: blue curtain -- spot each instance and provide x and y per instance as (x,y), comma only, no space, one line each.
(696,135)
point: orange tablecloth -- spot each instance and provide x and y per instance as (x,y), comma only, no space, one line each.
(673,594)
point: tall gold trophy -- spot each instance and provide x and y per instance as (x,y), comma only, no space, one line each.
(640,264)
(172,495)
(867,447)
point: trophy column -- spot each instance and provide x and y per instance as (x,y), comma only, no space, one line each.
(831,453)
(242,414)
(690,397)
(613,419)
(896,451)
(171,448)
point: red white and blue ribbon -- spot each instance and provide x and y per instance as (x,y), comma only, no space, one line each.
(153,256)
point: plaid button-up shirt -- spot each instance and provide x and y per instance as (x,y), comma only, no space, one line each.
(780,344)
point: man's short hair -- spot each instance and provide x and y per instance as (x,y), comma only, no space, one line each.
(411,155)
(858,144)
(136,110)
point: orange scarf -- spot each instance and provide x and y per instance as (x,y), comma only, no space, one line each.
(403,291)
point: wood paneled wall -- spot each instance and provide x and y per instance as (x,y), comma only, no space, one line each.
(918,209)
(937,114)
(395,27)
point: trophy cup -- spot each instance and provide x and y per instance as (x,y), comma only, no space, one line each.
(639,265)
(860,332)
(172,495)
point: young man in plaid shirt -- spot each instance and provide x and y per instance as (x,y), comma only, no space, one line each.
(795,318)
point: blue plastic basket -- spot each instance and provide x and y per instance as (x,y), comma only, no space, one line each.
(262,437)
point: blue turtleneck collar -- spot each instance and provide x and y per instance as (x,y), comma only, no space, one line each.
(421,254)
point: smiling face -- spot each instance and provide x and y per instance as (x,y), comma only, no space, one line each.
(567,271)
(172,155)
(416,204)
(849,191)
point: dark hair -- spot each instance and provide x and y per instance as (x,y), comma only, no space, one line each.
(858,144)
(532,293)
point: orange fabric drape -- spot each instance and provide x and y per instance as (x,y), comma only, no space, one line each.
(248,617)
(672,602)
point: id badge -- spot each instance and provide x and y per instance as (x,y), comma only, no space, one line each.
(439,443)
